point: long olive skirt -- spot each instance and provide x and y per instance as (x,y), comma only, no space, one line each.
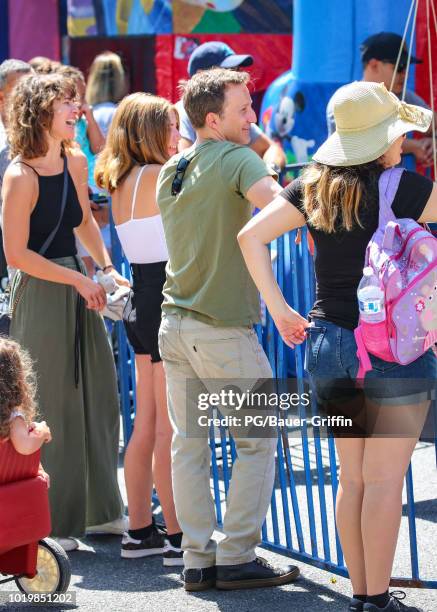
(77,396)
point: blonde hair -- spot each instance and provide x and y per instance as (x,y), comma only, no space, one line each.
(17,384)
(138,135)
(30,112)
(107,79)
(333,196)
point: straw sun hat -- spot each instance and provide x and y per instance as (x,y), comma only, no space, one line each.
(368,119)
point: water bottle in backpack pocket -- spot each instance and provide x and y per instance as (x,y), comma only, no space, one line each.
(371,298)
(397,296)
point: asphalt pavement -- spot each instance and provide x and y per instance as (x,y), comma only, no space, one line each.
(102,581)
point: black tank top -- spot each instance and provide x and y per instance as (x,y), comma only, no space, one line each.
(46,213)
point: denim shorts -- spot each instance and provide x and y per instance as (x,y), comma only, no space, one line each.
(332,364)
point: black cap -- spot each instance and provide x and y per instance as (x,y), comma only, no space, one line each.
(385,47)
(216,54)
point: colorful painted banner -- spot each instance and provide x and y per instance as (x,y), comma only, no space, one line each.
(121,17)
(271,53)
(118,17)
(232,16)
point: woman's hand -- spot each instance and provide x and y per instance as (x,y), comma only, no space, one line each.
(291,325)
(87,110)
(93,293)
(119,279)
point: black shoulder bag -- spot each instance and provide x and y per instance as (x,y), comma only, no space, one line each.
(6,308)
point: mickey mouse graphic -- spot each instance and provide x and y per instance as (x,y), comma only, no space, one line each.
(283,121)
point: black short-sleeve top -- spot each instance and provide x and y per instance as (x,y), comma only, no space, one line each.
(339,257)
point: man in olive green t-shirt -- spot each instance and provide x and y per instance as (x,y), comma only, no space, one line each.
(206,195)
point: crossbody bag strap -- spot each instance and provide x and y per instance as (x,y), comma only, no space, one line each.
(53,233)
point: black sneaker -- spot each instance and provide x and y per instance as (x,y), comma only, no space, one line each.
(356,605)
(394,605)
(154,544)
(258,573)
(172,555)
(199,579)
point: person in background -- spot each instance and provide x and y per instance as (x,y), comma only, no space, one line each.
(217,54)
(105,87)
(56,314)
(90,139)
(142,138)
(379,54)
(11,70)
(88,134)
(44,65)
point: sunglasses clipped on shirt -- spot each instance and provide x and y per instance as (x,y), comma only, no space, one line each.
(176,185)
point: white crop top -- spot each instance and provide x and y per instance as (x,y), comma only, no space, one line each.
(142,240)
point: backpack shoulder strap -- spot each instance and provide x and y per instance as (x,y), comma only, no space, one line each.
(388,186)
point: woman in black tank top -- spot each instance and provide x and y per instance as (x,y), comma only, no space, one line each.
(56,305)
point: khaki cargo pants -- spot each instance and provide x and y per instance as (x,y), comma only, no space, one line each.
(194,351)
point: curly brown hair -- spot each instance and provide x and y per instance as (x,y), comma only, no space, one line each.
(30,112)
(17,384)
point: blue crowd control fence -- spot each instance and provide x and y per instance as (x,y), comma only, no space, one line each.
(300,521)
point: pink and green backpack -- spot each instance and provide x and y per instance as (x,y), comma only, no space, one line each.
(403,255)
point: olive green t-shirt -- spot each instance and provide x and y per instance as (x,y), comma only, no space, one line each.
(207,278)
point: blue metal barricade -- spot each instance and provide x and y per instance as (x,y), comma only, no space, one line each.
(300,521)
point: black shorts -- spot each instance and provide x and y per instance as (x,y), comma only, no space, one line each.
(142,313)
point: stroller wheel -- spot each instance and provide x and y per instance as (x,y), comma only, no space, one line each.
(53,567)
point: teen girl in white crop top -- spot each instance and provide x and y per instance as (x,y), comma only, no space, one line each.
(142,239)
(143,136)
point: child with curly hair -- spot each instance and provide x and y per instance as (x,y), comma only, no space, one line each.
(17,402)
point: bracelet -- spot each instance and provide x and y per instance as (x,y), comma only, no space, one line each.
(108,267)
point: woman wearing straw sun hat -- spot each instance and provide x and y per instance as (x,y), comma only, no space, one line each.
(368,119)
(337,198)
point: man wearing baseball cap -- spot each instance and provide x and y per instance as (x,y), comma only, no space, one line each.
(216,54)
(379,56)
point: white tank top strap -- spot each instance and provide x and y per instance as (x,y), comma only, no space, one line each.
(134,197)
